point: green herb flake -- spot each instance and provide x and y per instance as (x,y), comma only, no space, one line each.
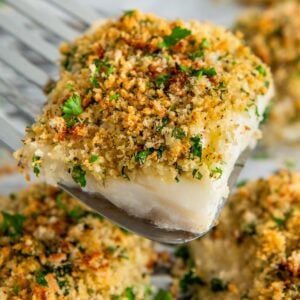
(40,277)
(249,229)
(161,80)
(70,87)
(15,290)
(216,172)
(114,97)
(261,70)
(217,285)
(100,64)
(78,175)
(161,150)
(93,158)
(184,68)
(178,133)
(109,70)
(209,72)
(76,213)
(279,221)
(200,52)
(204,43)
(196,147)
(72,107)
(129,12)
(196,54)
(197,174)
(163,295)
(267,112)
(141,156)
(129,294)
(177,34)
(183,253)
(94,81)
(12,224)
(190,279)
(163,123)
(59,202)
(36,165)
(241,183)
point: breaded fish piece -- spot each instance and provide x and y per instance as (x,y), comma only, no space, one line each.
(153,114)
(274,35)
(254,251)
(51,247)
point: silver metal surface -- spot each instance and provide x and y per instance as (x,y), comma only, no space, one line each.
(12,137)
(80,11)
(31,39)
(10,56)
(49,22)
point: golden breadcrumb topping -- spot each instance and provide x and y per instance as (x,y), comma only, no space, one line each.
(53,248)
(274,35)
(254,251)
(144,93)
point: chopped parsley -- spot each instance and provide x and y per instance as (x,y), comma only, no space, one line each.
(178,133)
(241,183)
(209,72)
(261,70)
(204,43)
(93,158)
(161,80)
(12,224)
(15,290)
(59,203)
(160,150)
(129,294)
(103,65)
(76,213)
(70,87)
(36,165)
(114,97)
(266,113)
(249,229)
(141,156)
(216,172)
(217,285)
(177,34)
(196,147)
(182,252)
(129,12)
(164,122)
(78,175)
(279,221)
(184,68)
(197,174)
(200,53)
(72,107)
(40,277)
(190,279)
(163,295)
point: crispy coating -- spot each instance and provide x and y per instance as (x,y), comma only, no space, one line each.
(274,35)
(144,104)
(254,251)
(51,247)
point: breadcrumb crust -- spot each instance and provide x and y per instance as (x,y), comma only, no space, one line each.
(64,251)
